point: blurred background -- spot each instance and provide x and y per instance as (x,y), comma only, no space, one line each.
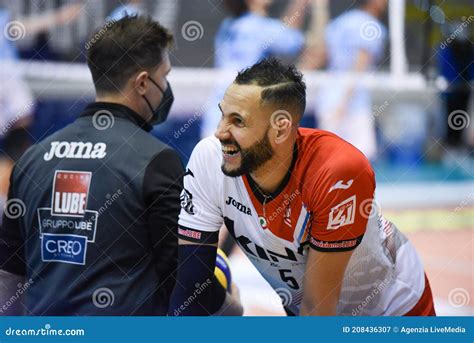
(395,76)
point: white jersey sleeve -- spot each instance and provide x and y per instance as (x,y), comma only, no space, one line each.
(201,215)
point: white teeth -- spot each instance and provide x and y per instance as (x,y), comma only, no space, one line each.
(230,151)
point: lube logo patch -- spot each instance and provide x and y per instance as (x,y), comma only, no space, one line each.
(67,226)
(70,190)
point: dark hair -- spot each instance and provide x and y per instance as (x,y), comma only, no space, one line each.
(283,84)
(121,48)
(236,7)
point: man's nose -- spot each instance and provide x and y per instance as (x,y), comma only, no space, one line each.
(222,131)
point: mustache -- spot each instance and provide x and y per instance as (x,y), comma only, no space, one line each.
(230,142)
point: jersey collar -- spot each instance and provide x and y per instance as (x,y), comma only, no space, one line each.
(281,187)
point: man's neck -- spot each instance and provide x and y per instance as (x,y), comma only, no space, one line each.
(118,100)
(372,11)
(258,11)
(270,176)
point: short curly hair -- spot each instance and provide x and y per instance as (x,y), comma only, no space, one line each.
(283,85)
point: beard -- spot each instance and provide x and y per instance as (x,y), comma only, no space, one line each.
(251,158)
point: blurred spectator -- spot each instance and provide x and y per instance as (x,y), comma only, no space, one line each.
(247,36)
(16,100)
(455,65)
(41,49)
(314,55)
(355,42)
(16,106)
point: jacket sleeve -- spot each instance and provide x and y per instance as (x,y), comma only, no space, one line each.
(12,255)
(162,185)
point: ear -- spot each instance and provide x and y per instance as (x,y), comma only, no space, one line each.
(282,122)
(140,82)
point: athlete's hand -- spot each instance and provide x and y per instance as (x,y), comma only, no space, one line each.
(237,303)
(232,305)
(235,292)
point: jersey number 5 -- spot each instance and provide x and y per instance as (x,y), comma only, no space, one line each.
(290,280)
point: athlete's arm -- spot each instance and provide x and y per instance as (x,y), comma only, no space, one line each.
(294,14)
(367,52)
(290,38)
(197,291)
(342,205)
(361,64)
(314,55)
(62,16)
(322,282)
(191,295)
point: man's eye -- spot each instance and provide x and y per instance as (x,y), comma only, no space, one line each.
(238,121)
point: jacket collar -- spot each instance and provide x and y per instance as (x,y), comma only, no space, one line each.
(118,111)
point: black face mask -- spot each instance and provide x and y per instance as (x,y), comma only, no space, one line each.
(161,112)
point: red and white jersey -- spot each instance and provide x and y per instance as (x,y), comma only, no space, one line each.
(326,203)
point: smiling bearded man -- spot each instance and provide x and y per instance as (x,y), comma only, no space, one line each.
(300,204)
